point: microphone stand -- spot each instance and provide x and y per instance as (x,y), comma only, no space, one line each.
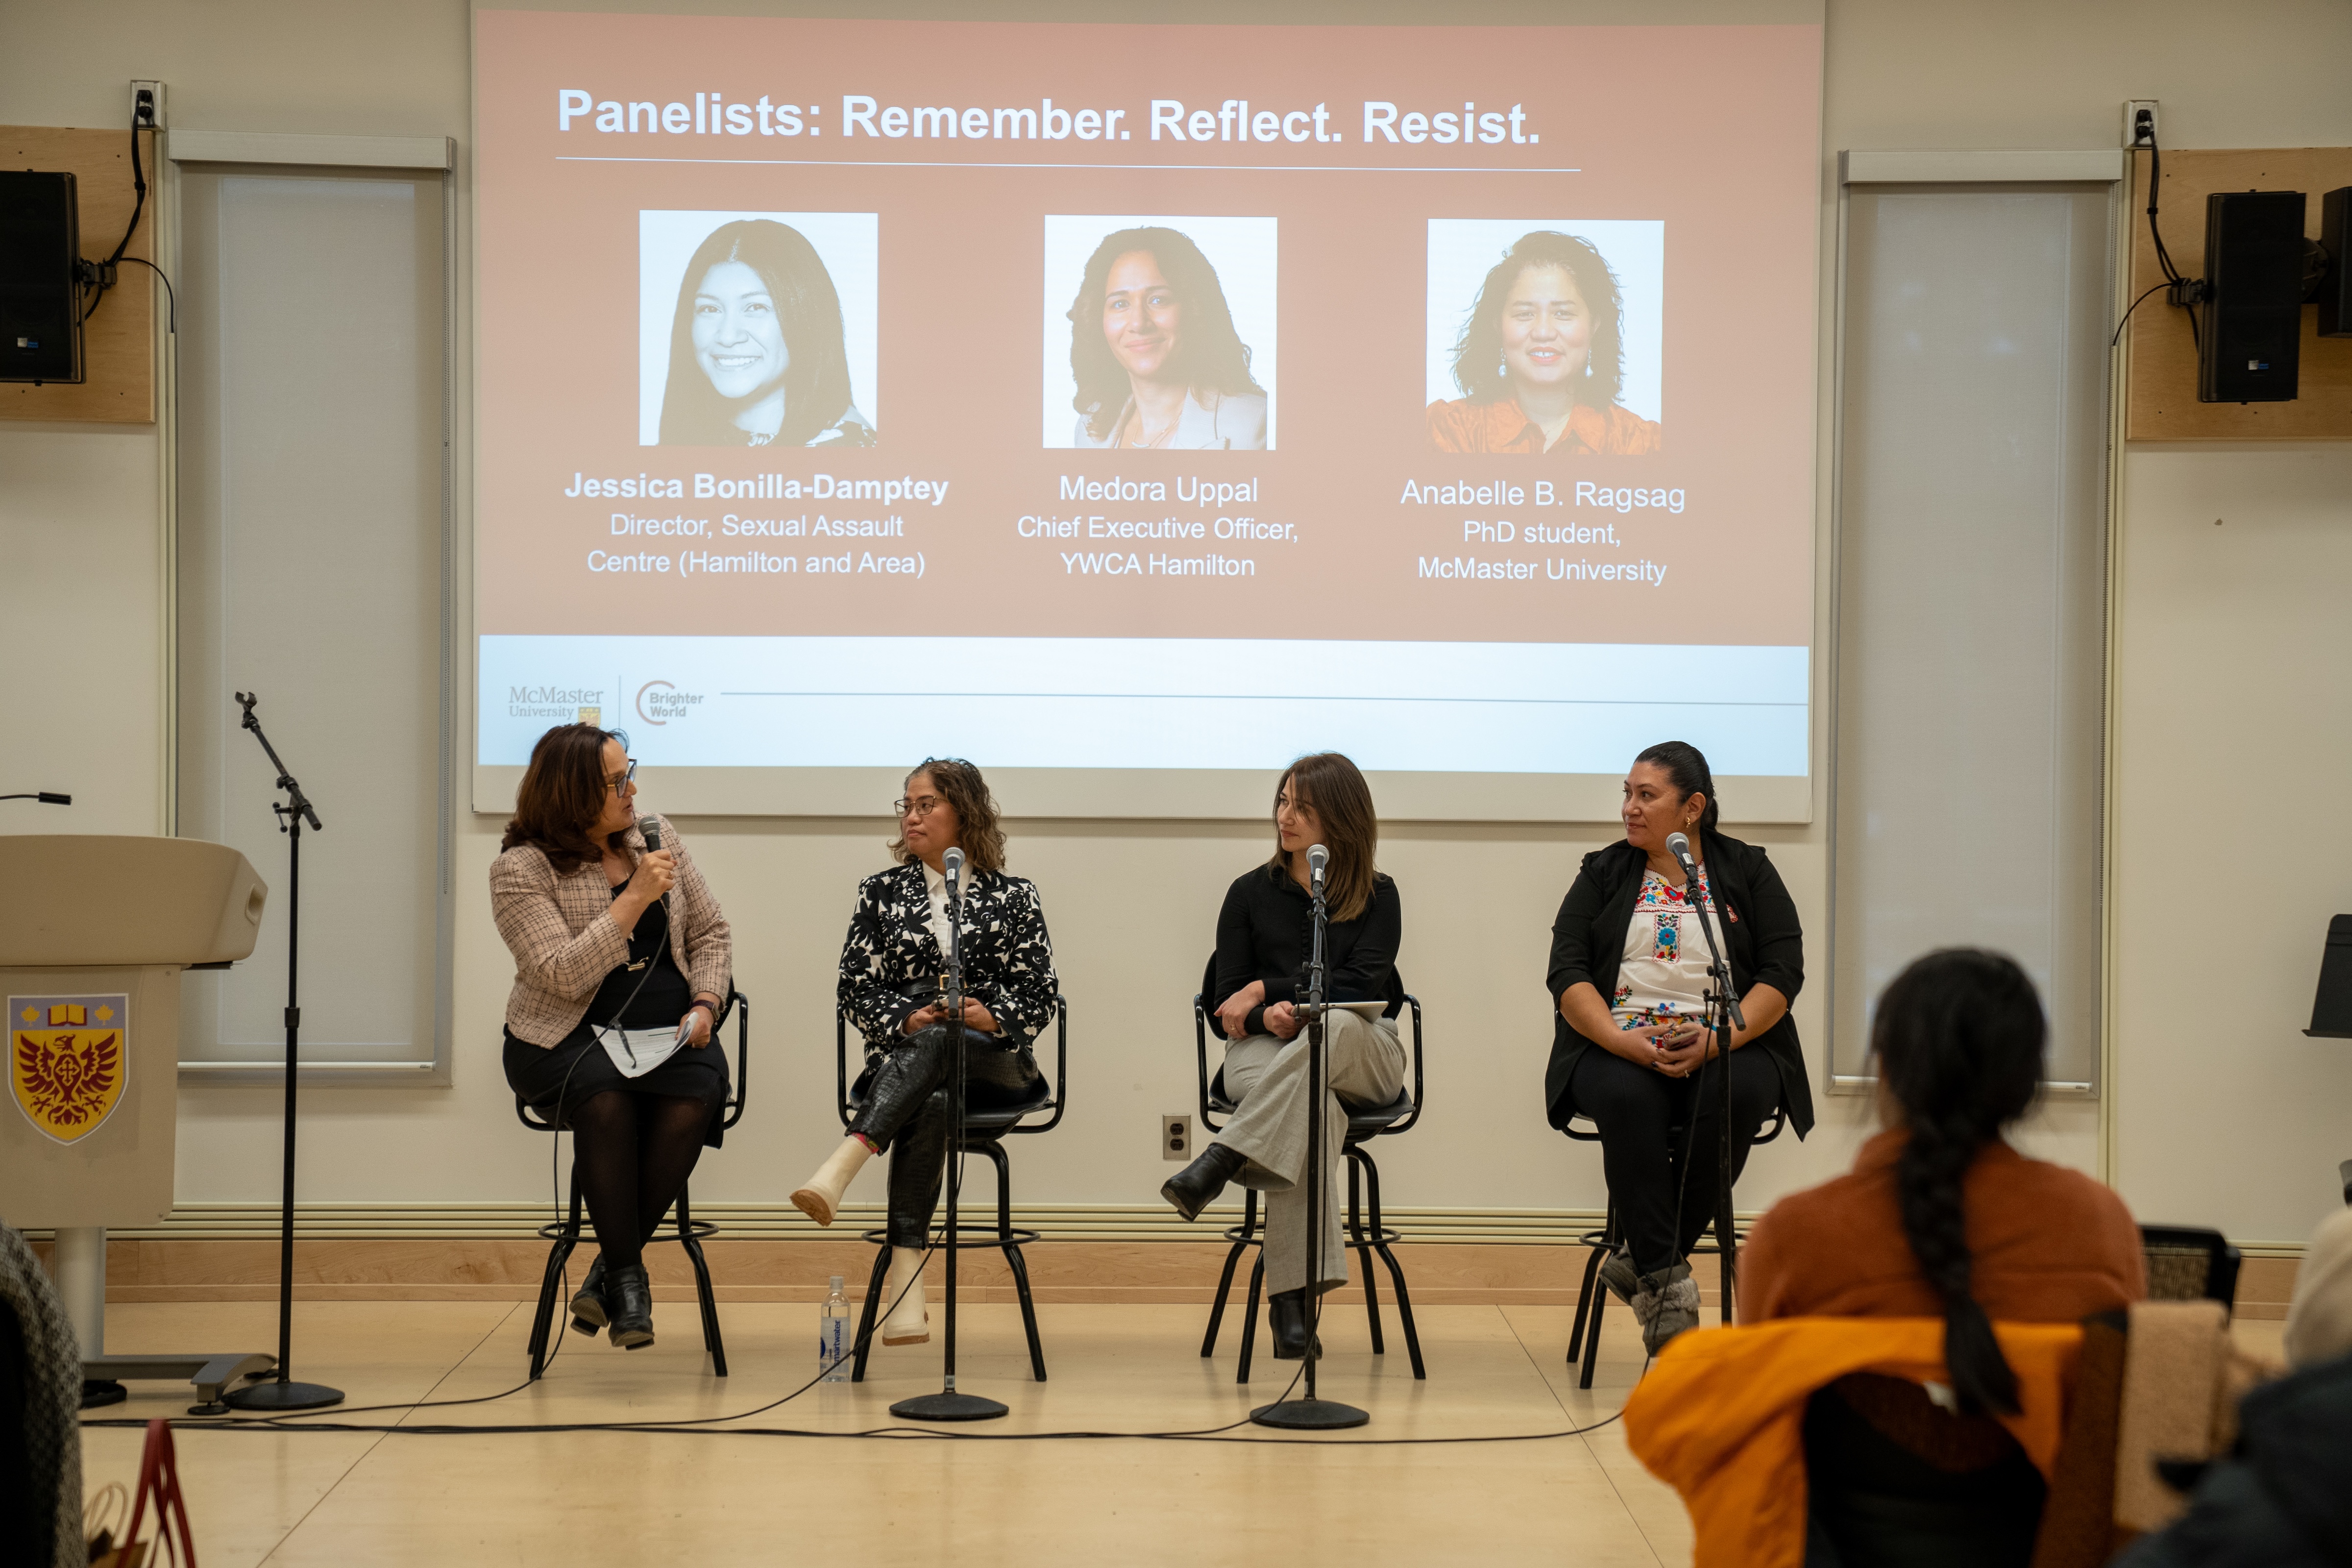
(1311,1413)
(1722,1014)
(280,1393)
(948,1405)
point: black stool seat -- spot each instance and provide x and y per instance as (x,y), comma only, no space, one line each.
(564,1234)
(1593,1296)
(1370,1236)
(984,1131)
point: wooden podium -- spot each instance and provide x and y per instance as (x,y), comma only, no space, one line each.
(93,938)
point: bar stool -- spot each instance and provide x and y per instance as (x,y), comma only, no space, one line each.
(563,1234)
(1367,1237)
(984,1132)
(1592,1298)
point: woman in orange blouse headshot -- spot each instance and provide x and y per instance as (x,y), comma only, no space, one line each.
(1541,359)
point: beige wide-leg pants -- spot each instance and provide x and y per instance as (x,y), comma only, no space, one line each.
(1364,1065)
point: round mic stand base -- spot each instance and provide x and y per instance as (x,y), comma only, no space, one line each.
(1309,1415)
(949,1408)
(273,1395)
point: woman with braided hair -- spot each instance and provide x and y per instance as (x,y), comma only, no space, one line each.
(1940,1218)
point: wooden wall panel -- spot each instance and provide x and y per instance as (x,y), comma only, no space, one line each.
(2162,392)
(119,343)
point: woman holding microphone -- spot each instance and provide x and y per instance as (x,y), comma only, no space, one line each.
(1265,934)
(1628,979)
(891,965)
(621,967)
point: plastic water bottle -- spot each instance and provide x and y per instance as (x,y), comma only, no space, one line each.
(832,1335)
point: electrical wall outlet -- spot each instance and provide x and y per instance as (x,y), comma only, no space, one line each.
(147,113)
(2134,135)
(1176,1138)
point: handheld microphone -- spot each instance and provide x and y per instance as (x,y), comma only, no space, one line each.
(1317,857)
(651,829)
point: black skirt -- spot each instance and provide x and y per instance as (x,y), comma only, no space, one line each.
(578,1069)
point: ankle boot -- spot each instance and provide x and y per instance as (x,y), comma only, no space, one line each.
(1196,1187)
(1665,1304)
(1286,1319)
(821,1199)
(629,1296)
(588,1312)
(910,1322)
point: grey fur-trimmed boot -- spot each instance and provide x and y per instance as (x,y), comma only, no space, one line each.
(1665,1305)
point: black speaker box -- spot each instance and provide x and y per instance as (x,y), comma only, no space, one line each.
(2336,289)
(2253,311)
(40,303)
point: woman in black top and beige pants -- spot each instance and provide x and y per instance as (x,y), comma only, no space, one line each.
(1264,936)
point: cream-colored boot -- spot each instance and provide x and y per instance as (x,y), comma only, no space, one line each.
(821,1199)
(910,1324)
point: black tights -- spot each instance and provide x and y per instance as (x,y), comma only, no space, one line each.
(632,1153)
(1635,1107)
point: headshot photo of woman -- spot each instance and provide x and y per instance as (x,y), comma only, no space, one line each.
(1157,357)
(755,344)
(1540,357)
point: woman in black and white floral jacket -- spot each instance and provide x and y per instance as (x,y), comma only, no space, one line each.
(891,966)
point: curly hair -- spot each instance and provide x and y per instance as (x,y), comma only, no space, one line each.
(1479,350)
(1214,353)
(978,830)
(808,310)
(1958,1038)
(561,795)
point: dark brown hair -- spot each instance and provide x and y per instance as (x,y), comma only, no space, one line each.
(561,795)
(1214,356)
(1329,783)
(808,310)
(1685,766)
(977,832)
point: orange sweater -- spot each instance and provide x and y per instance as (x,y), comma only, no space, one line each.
(1720,1417)
(2048,1246)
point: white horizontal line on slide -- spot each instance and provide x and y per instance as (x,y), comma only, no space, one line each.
(1201,168)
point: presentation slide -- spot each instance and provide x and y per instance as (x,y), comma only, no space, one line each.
(1146,398)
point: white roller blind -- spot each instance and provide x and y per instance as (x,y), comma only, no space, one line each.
(312,573)
(1970,633)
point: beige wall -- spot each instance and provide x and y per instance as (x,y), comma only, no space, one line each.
(2223,1113)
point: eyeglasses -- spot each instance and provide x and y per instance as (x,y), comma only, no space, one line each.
(628,776)
(918,808)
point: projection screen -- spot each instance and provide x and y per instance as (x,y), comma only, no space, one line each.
(1132,408)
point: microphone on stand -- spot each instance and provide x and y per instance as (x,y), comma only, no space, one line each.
(953,863)
(1317,858)
(1678,845)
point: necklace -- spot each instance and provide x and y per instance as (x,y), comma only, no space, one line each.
(1150,440)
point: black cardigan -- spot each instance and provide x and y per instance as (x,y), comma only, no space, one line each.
(1267,929)
(1760,929)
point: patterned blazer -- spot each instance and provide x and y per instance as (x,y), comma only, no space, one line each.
(1008,959)
(561,931)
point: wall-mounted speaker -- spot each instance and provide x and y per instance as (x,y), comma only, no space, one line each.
(40,295)
(2254,297)
(2336,289)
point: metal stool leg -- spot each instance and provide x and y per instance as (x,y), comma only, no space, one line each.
(550,1285)
(1011,1249)
(1396,1271)
(874,1305)
(1357,1159)
(711,1342)
(1226,1280)
(1249,1316)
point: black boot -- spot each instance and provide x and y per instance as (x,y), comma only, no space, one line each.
(1196,1187)
(629,1297)
(1285,1319)
(588,1311)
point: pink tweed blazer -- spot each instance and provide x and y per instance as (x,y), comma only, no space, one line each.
(561,931)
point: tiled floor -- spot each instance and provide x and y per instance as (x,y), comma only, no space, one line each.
(402,1496)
